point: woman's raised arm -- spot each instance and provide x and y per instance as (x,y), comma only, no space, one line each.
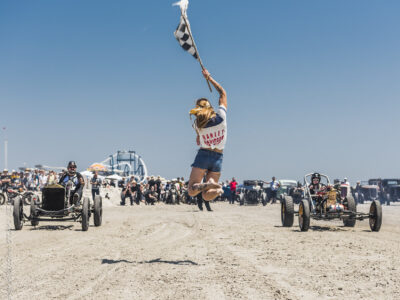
(222,94)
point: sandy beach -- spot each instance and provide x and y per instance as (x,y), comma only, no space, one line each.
(178,252)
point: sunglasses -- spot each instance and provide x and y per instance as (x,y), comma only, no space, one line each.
(71,167)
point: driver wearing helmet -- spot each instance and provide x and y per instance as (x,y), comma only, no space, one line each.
(316,185)
(77,182)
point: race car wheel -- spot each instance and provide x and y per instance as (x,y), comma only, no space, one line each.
(98,210)
(375,215)
(351,206)
(33,213)
(27,197)
(18,213)
(85,214)
(304,215)
(287,211)
(2,199)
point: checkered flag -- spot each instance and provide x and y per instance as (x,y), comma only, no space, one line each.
(184,39)
(184,36)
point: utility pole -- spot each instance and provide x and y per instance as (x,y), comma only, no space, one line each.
(5,148)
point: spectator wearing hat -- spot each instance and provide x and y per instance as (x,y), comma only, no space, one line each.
(5,179)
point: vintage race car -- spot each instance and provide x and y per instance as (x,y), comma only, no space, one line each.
(56,206)
(251,192)
(328,203)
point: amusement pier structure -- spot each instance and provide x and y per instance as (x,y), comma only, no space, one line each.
(126,163)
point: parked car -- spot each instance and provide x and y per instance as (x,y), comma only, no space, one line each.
(285,187)
(297,193)
(252,192)
(369,191)
(390,190)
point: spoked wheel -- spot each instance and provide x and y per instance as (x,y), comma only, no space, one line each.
(85,214)
(2,199)
(351,206)
(375,215)
(33,213)
(98,210)
(304,215)
(18,213)
(28,198)
(287,211)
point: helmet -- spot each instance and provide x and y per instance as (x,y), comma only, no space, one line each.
(316,176)
(71,168)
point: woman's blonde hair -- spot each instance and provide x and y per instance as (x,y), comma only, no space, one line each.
(203,112)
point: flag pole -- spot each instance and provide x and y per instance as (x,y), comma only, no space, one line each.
(195,48)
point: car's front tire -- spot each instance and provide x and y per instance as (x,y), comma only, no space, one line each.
(287,211)
(304,215)
(18,213)
(85,214)
(98,210)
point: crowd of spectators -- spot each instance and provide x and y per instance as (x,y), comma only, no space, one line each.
(28,180)
(152,190)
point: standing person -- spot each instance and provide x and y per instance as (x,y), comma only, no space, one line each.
(158,187)
(357,192)
(36,180)
(96,183)
(211,130)
(346,182)
(151,182)
(52,178)
(274,185)
(42,179)
(232,186)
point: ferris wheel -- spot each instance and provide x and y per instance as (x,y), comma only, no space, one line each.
(127,163)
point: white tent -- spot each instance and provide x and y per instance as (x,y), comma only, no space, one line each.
(88,174)
(114,177)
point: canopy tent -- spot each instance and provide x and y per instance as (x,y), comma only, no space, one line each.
(97,167)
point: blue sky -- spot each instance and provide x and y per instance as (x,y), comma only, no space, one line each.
(312,85)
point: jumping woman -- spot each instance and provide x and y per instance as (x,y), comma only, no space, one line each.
(211,129)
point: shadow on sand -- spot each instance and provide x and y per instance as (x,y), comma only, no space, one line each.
(153,261)
(52,227)
(324,228)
